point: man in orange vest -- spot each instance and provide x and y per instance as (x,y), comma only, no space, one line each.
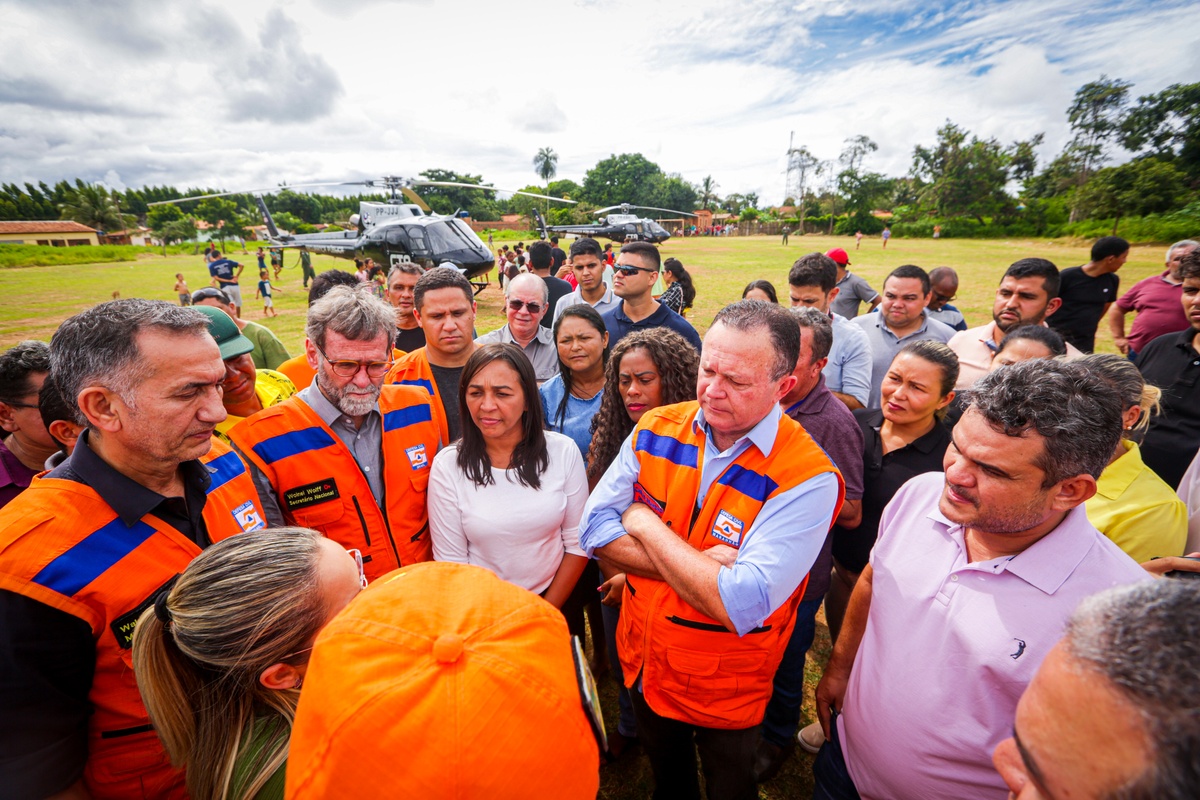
(348,456)
(444,305)
(88,546)
(715,511)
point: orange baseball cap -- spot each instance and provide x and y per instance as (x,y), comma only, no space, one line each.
(443,681)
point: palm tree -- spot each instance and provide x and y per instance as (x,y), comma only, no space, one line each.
(546,164)
(708,191)
(93,205)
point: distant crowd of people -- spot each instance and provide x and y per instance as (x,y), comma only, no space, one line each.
(230,573)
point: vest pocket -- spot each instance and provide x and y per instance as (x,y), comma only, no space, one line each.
(319,515)
(420,479)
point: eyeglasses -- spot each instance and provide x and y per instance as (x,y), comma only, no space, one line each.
(628,271)
(941,298)
(348,369)
(358,561)
(18,404)
(517,305)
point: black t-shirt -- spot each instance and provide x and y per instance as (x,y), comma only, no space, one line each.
(47,656)
(447,379)
(409,340)
(883,475)
(1083,302)
(558,288)
(1171,363)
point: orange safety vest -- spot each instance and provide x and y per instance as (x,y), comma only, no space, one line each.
(414,370)
(320,486)
(63,546)
(693,668)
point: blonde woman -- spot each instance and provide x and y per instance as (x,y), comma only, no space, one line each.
(220,657)
(1133,506)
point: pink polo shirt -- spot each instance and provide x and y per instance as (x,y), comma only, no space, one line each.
(950,646)
(1159,307)
(974,348)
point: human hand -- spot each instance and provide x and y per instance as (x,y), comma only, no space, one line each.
(636,517)
(1122,344)
(612,589)
(831,690)
(723,554)
(1161,566)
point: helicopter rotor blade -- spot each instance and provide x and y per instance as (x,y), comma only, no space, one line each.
(547,197)
(668,210)
(493,189)
(270,190)
(415,198)
(600,211)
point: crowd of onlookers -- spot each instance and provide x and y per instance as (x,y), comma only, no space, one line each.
(188,515)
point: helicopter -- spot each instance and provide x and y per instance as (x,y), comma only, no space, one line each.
(623,227)
(394,232)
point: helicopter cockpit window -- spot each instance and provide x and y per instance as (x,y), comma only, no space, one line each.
(411,239)
(638,227)
(450,234)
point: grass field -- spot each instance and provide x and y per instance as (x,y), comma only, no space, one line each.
(36,299)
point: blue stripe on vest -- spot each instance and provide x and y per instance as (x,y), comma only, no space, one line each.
(403,417)
(92,557)
(748,482)
(292,443)
(223,470)
(673,450)
(424,384)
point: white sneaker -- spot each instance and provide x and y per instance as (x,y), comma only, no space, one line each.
(810,738)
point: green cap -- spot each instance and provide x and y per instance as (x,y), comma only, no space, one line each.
(226,332)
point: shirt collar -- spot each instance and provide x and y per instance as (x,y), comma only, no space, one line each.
(130,499)
(1118,475)
(761,435)
(543,335)
(813,402)
(1049,562)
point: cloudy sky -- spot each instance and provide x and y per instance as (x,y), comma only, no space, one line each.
(249,94)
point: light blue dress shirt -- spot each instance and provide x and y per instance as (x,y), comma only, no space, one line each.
(848,370)
(777,551)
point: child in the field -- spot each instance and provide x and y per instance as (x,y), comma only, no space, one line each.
(264,291)
(181,289)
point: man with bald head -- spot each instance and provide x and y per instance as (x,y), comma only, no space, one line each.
(526,300)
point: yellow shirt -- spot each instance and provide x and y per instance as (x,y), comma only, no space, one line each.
(271,387)
(1137,510)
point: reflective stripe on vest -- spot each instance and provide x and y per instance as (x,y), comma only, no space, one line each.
(693,668)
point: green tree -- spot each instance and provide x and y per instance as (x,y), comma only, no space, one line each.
(672,191)
(566,188)
(1167,124)
(1095,115)
(855,152)
(627,178)
(962,176)
(546,164)
(802,169)
(708,192)
(218,212)
(449,199)
(1144,186)
(93,205)
(168,225)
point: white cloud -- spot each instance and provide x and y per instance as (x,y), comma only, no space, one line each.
(251,93)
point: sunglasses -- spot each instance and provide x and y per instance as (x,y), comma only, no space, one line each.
(629,271)
(210,294)
(517,305)
(348,369)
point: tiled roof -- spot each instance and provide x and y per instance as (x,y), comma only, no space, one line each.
(36,226)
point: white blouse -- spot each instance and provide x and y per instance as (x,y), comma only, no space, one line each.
(517,532)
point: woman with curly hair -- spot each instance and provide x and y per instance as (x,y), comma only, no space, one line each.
(646,369)
(681,292)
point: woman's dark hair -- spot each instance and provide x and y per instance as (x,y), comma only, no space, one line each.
(592,317)
(675,267)
(942,357)
(529,457)
(762,286)
(677,363)
(1049,337)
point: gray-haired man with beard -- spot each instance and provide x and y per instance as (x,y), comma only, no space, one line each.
(349,456)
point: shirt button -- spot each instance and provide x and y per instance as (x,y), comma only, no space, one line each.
(366,469)
(954,578)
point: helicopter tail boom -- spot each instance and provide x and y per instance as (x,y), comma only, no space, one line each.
(267,220)
(541,224)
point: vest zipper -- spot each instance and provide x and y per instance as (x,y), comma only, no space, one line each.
(709,626)
(361,519)
(387,527)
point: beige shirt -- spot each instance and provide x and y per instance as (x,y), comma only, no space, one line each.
(975,347)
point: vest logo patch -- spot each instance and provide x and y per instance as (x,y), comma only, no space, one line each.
(728,529)
(122,626)
(247,517)
(311,494)
(416,456)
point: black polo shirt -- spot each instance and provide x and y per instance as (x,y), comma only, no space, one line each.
(1172,363)
(883,475)
(47,656)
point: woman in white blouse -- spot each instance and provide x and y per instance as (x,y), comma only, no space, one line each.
(508,495)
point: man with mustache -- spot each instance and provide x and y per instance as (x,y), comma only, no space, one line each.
(348,456)
(1027,294)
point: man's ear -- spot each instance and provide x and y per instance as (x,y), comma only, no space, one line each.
(8,420)
(1073,492)
(65,433)
(102,407)
(311,354)
(1053,305)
